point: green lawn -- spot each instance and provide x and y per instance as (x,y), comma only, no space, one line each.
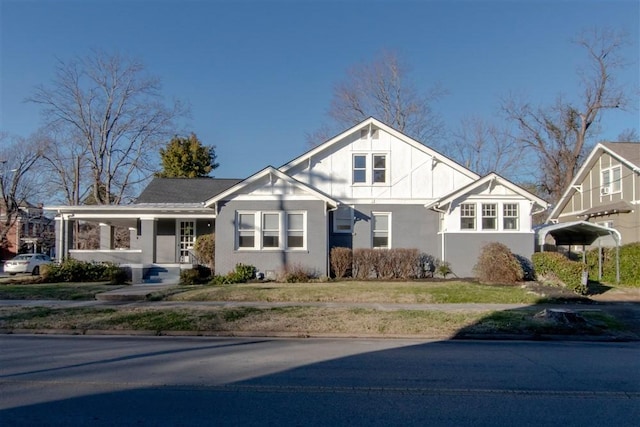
(363,292)
(54,291)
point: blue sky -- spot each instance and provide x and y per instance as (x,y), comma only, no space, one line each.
(259,75)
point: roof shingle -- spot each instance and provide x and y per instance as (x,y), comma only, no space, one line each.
(184,190)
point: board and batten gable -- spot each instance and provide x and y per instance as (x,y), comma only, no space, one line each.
(605,191)
(413,172)
(588,193)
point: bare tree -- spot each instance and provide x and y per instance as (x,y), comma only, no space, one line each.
(559,134)
(629,135)
(382,89)
(18,178)
(112,119)
(483,148)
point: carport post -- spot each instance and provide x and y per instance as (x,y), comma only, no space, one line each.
(617,264)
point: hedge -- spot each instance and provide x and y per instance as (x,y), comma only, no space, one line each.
(557,265)
(629,264)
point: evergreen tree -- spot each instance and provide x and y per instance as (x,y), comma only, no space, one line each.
(187,158)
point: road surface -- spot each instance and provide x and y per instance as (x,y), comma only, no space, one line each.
(112,381)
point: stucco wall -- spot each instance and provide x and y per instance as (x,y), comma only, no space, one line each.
(412,226)
(314,257)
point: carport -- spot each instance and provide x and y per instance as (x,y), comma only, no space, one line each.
(581,233)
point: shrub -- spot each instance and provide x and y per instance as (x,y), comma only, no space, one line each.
(363,263)
(443,268)
(629,264)
(242,274)
(496,264)
(341,261)
(71,270)
(427,265)
(189,277)
(205,249)
(556,265)
(297,274)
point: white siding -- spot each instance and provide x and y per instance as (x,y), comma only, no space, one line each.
(412,174)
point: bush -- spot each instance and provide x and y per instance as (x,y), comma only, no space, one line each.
(496,264)
(552,265)
(341,261)
(629,264)
(71,270)
(297,274)
(443,268)
(242,274)
(189,277)
(205,249)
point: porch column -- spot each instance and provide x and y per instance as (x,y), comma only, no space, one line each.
(64,236)
(106,236)
(148,240)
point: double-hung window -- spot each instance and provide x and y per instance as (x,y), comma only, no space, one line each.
(489,216)
(510,216)
(379,169)
(611,180)
(359,168)
(271,230)
(381,230)
(246,226)
(295,230)
(467,216)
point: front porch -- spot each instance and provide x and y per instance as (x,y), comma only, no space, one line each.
(161,240)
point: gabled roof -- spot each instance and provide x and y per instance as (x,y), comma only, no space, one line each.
(270,171)
(372,122)
(447,199)
(627,153)
(183,190)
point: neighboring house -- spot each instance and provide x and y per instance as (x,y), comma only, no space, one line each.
(605,191)
(31,231)
(369,187)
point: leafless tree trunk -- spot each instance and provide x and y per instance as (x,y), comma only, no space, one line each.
(485,148)
(18,178)
(559,134)
(113,120)
(382,89)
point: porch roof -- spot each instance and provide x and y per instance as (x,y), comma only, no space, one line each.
(126,215)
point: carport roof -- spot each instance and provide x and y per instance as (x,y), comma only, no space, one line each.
(576,233)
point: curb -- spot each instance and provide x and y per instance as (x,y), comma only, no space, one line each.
(304,335)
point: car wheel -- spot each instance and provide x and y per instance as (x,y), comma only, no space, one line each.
(12,274)
(36,270)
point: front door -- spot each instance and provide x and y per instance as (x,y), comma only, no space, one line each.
(187,238)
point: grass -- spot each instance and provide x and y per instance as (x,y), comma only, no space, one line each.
(451,292)
(54,291)
(300,321)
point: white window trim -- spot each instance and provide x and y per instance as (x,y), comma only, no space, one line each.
(282,231)
(475,217)
(517,217)
(369,170)
(389,231)
(609,186)
(495,215)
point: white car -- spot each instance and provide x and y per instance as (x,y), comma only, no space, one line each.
(26,263)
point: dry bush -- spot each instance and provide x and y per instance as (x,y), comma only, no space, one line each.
(297,273)
(496,264)
(205,250)
(341,261)
(363,263)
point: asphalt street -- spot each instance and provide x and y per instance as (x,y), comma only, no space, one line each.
(100,381)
